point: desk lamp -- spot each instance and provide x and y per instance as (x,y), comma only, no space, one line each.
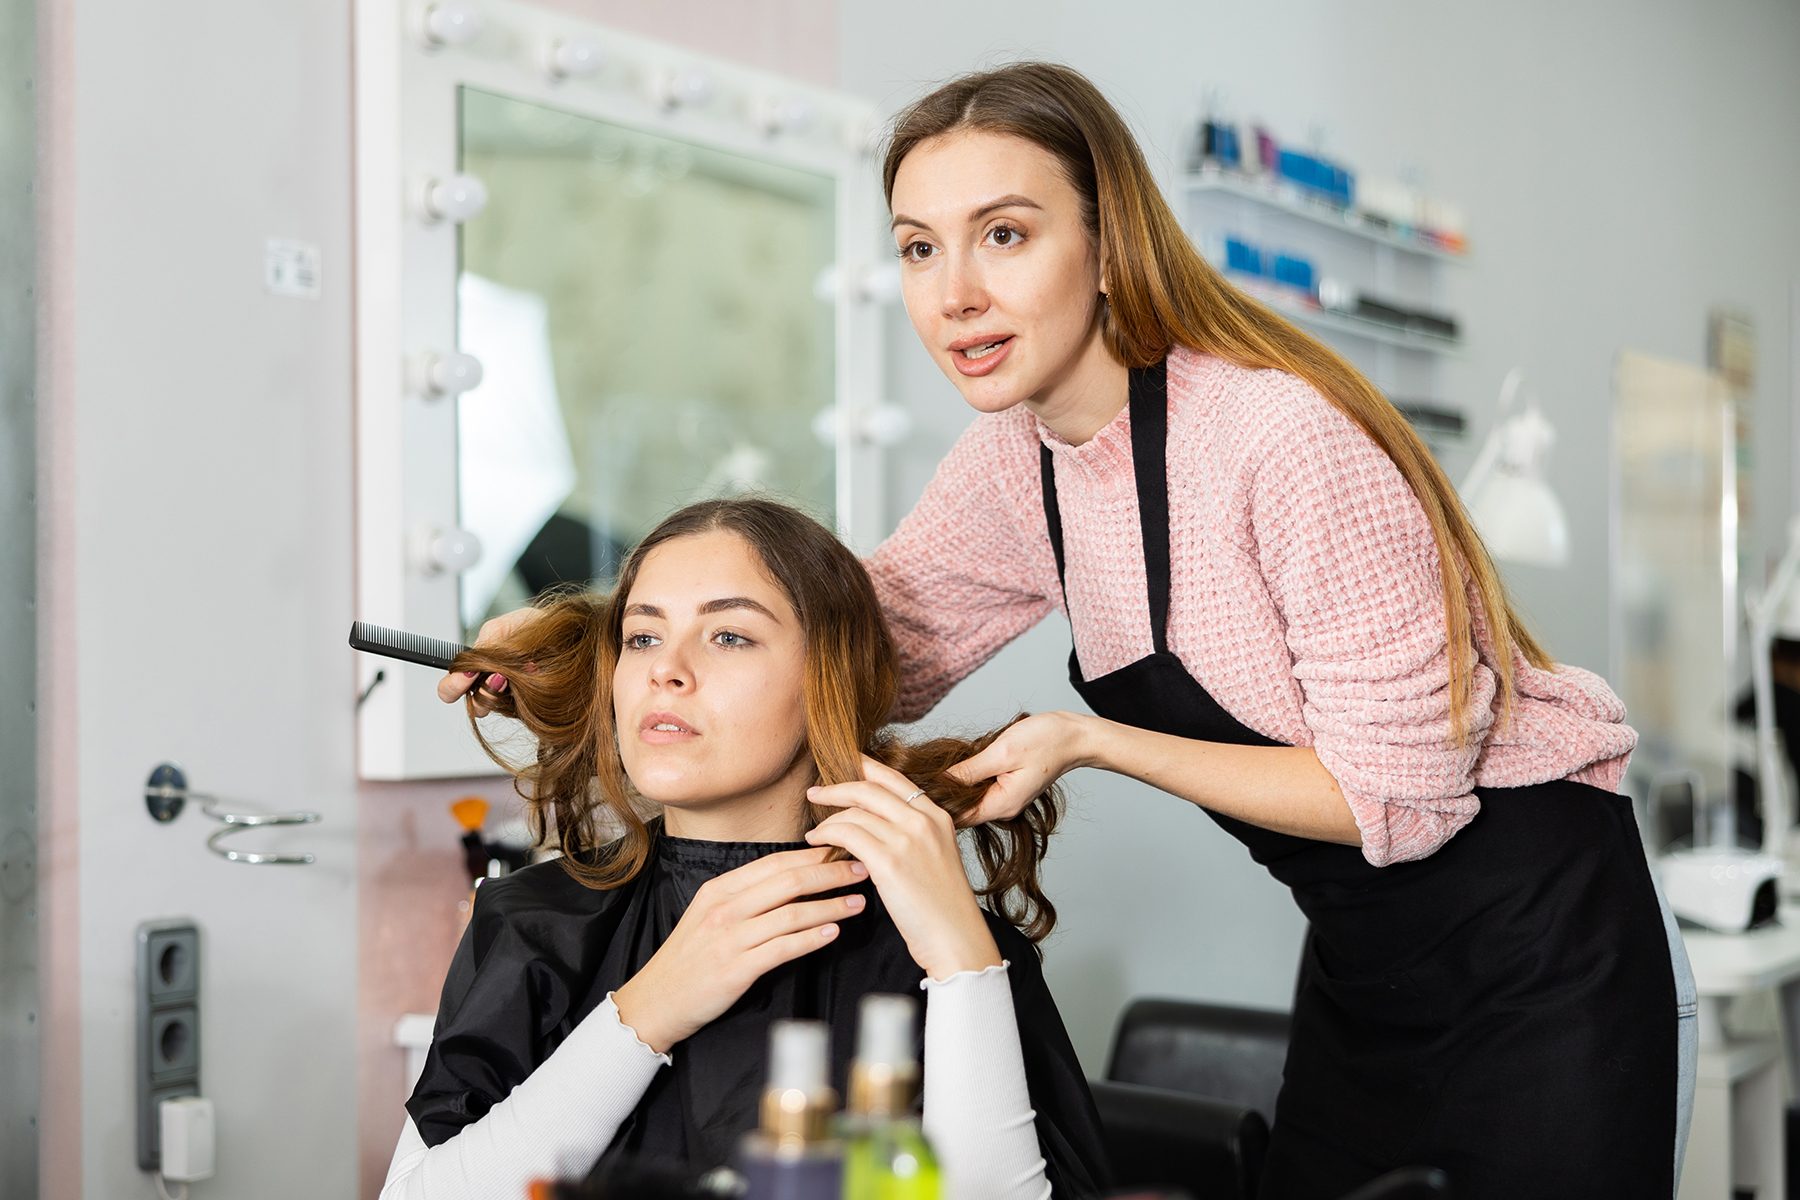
(1519,517)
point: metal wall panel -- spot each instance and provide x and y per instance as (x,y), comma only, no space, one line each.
(18,617)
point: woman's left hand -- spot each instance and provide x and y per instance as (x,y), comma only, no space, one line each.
(915,864)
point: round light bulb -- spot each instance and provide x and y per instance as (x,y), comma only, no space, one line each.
(879,284)
(572,58)
(448,551)
(885,424)
(784,114)
(449,23)
(456,199)
(451,374)
(682,88)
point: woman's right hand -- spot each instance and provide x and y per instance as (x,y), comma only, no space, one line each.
(740,926)
(482,692)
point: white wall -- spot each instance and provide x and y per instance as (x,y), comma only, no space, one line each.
(197,572)
(1625,166)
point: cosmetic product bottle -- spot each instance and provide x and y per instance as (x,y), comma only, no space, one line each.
(886,1156)
(793,1154)
(1203,147)
(470,812)
(631,1180)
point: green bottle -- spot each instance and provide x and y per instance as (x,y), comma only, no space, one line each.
(886,1156)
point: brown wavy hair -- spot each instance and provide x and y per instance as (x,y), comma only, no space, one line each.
(560,667)
(1162,293)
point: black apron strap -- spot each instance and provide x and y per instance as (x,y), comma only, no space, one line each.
(1053,518)
(1149,462)
(1149,401)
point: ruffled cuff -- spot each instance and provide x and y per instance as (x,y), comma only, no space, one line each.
(625,1031)
(929,984)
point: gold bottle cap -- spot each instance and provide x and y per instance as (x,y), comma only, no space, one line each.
(883,1089)
(793,1118)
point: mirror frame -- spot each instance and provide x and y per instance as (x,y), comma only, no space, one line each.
(408,90)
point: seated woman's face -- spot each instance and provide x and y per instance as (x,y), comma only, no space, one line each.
(709,693)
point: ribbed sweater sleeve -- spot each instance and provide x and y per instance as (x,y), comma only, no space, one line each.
(977,1110)
(1351,566)
(958,579)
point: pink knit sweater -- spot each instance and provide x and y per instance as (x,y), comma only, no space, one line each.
(1305,596)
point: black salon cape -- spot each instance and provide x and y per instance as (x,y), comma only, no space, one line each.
(542,951)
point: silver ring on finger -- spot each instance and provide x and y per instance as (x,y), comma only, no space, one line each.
(914,796)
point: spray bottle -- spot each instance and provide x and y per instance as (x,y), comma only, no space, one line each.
(886,1156)
(792,1155)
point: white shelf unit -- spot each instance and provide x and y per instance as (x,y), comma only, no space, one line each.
(1326,320)
(1318,212)
(1388,264)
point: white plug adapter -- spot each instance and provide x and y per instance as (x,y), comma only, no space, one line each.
(187,1138)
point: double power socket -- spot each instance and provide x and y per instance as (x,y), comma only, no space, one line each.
(168,1026)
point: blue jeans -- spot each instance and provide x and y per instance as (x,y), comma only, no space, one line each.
(1687,1030)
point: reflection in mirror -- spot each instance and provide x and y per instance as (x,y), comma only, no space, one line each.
(1675,573)
(645,313)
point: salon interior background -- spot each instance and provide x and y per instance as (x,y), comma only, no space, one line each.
(1626,166)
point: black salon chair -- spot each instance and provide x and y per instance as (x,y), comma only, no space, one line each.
(1189,1098)
(1409,1183)
(1167,1141)
(1223,1053)
(1189,1094)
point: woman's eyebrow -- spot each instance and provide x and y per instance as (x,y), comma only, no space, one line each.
(1013,201)
(730,602)
(723,604)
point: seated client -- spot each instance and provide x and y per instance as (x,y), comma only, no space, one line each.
(616,1001)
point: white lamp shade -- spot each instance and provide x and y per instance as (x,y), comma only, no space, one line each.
(1521,520)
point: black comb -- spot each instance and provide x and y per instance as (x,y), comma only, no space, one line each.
(408,647)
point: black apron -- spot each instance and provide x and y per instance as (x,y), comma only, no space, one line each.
(1503,1009)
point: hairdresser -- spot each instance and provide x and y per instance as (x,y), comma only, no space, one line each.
(1281,614)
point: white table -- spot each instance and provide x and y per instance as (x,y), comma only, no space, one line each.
(1739,1101)
(412,1033)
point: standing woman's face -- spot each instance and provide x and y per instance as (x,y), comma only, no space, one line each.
(709,691)
(999,276)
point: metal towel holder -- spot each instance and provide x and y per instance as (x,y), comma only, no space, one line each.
(167,791)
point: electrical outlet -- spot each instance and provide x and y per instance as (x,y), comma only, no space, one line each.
(168,1026)
(174,1044)
(173,961)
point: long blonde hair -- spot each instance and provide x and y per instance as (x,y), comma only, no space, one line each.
(1161,293)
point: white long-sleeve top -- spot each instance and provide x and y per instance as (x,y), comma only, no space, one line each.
(978,1111)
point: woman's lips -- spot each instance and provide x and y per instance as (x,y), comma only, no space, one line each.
(977,367)
(662,729)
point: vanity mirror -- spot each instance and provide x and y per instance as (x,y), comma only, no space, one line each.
(1675,571)
(597,278)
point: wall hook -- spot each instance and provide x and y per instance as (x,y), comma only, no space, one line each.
(166,793)
(362,697)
